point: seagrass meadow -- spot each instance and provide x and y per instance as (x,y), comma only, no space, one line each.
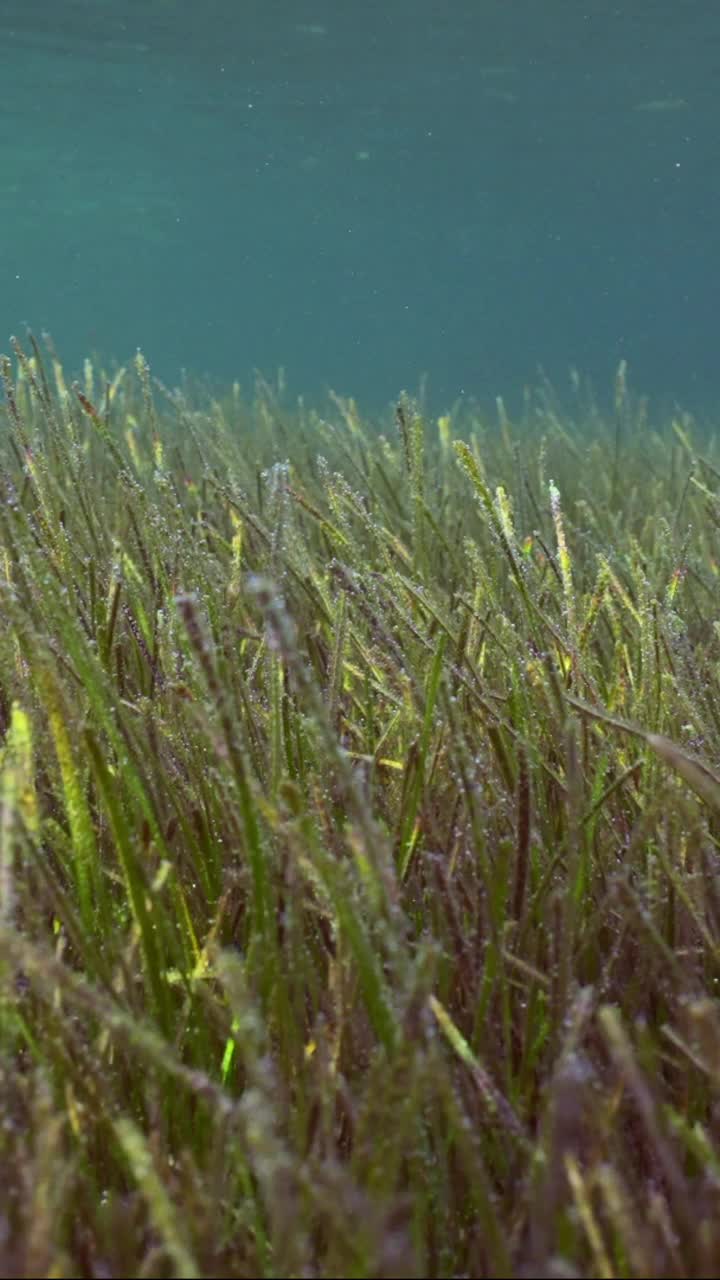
(359,834)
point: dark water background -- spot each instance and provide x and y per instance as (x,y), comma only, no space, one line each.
(364,192)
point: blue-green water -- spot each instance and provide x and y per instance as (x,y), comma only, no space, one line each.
(366,192)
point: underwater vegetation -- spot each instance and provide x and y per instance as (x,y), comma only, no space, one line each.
(359,835)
